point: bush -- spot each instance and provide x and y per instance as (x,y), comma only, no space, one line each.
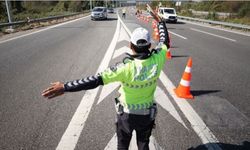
(75,6)
(245,10)
(186,13)
(61,7)
(3,14)
(212,16)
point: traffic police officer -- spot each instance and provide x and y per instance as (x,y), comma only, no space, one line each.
(138,76)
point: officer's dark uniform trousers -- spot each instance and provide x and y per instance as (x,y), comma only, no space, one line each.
(126,123)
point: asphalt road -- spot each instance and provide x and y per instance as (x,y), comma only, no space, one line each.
(220,77)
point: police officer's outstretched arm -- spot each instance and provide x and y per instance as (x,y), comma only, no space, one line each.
(59,88)
(112,74)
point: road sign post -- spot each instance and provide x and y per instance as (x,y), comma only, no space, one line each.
(8,11)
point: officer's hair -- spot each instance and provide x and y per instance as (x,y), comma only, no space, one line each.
(141,47)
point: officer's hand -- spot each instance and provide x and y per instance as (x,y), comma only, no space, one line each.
(56,89)
(153,14)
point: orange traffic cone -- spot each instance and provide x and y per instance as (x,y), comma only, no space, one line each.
(144,19)
(141,18)
(169,40)
(156,35)
(183,90)
(168,54)
(153,25)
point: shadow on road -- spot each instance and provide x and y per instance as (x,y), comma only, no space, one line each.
(111,19)
(108,19)
(245,146)
(179,56)
(171,28)
(174,47)
(203,92)
(178,22)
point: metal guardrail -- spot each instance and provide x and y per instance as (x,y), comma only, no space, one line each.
(239,26)
(37,20)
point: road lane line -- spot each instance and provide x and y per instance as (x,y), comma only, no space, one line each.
(213,34)
(121,51)
(177,35)
(200,128)
(42,30)
(123,36)
(162,99)
(75,127)
(216,28)
(124,26)
(106,90)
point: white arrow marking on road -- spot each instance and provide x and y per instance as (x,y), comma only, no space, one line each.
(123,35)
(107,89)
(121,51)
(162,99)
(195,120)
(112,145)
(75,127)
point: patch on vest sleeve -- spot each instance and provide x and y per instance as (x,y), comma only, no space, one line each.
(117,66)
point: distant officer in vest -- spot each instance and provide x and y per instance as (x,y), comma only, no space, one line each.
(124,13)
(138,75)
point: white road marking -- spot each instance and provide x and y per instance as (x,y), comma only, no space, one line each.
(177,35)
(162,99)
(123,35)
(42,30)
(121,51)
(112,145)
(133,145)
(200,128)
(216,28)
(75,127)
(124,26)
(106,90)
(213,34)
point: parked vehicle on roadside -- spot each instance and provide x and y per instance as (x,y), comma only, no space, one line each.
(99,13)
(167,14)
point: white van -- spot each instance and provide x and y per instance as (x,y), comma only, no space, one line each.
(167,14)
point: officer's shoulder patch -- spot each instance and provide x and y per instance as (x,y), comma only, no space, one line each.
(113,68)
(120,65)
(116,66)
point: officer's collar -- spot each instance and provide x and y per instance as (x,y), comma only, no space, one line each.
(140,56)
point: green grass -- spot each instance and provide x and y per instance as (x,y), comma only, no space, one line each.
(244,20)
(212,16)
(23,16)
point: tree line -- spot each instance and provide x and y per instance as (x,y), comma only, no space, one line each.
(35,9)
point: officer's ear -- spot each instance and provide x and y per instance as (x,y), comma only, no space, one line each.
(132,48)
(149,46)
